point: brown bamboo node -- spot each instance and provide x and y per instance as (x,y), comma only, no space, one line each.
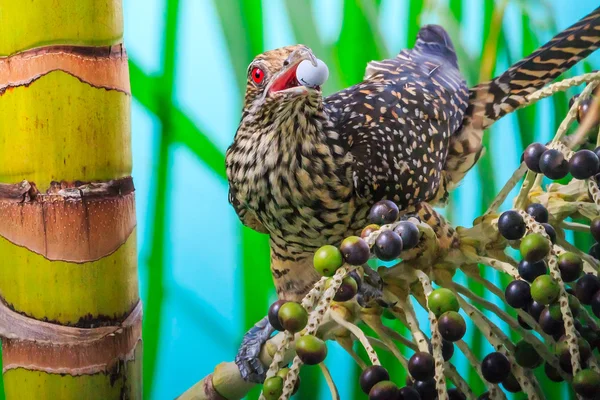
(101,67)
(43,346)
(73,221)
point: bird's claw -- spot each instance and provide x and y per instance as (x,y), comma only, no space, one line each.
(250,366)
(370,290)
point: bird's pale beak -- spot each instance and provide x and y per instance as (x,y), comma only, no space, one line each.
(286,78)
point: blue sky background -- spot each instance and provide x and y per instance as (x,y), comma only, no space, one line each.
(201,321)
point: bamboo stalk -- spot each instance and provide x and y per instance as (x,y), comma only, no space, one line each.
(67,205)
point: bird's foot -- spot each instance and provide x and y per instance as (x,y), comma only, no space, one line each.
(250,366)
(370,289)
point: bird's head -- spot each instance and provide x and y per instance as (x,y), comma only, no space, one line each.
(273,89)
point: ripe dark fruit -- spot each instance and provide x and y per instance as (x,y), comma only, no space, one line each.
(368,230)
(550,231)
(447,349)
(538,212)
(553,164)
(532,155)
(385,390)
(523,324)
(570,265)
(327,260)
(273,387)
(518,294)
(452,326)
(586,383)
(545,289)
(484,396)
(594,251)
(511,384)
(456,394)
(583,109)
(293,316)
(526,355)
(371,376)
(442,300)
(550,325)
(511,225)
(534,247)
(584,164)
(274,315)
(388,246)
(564,356)
(495,367)
(426,389)
(552,373)
(595,303)
(409,233)
(347,289)
(311,349)
(586,287)
(408,393)
(384,212)
(421,366)
(595,228)
(355,250)
(535,309)
(531,270)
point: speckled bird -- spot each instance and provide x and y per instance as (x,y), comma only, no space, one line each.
(305,169)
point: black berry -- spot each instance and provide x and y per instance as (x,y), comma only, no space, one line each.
(408,393)
(388,246)
(584,164)
(421,366)
(518,294)
(595,228)
(586,287)
(274,315)
(371,376)
(456,394)
(385,390)
(511,225)
(552,373)
(452,326)
(538,212)
(495,367)
(355,250)
(384,212)
(570,265)
(550,231)
(511,384)
(532,155)
(554,165)
(409,233)
(531,270)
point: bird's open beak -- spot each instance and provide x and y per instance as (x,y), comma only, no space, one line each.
(286,80)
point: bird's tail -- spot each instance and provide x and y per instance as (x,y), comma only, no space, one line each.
(489,101)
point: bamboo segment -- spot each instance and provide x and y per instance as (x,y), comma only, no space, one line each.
(36,23)
(61,129)
(84,295)
(70,313)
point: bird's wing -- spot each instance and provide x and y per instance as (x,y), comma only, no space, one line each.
(397,123)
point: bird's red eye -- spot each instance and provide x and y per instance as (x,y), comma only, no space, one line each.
(258,75)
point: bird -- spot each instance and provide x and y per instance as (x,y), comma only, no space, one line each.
(305,168)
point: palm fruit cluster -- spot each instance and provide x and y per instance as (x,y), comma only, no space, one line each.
(554,292)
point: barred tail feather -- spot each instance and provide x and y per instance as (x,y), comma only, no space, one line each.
(490,101)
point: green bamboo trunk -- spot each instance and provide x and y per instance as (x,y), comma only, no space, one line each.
(70,313)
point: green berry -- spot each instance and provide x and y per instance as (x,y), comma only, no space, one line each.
(586,383)
(534,247)
(311,349)
(327,260)
(283,373)
(545,290)
(273,387)
(293,316)
(442,300)
(526,355)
